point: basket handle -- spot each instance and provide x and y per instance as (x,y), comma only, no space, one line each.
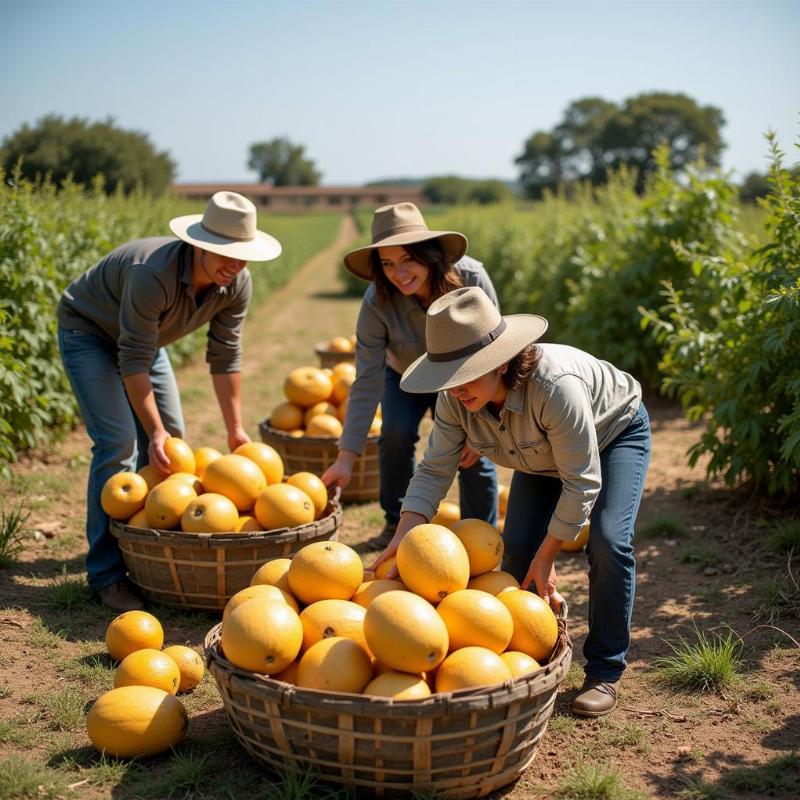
(563,611)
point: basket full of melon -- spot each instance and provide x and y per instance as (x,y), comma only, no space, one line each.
(336,350)
(197,536)
(441,678)
(305,428)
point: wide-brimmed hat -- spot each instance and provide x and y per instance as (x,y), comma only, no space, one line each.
(228,228)
(401,224)
(465,338)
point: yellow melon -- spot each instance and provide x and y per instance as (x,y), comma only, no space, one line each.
(324,426)
(247,524)
(535,625)
(297,433)
(340,344)
(404,631)
(274,573)
(210,513)
(335,665)
(432,562)
(237,477)
(471,666)
(179,455)
(327,618)
(136,721)
(341,387)
(148,667)
(398,685)
(325,570)
(306,386)
(344,368)
(341,412)
(309,483)
(123,495)
(369,590)
(266,457)
(203,456)
(132,631)
(483,544)
(494,582)
(190,665)
(448,514)
(375,427)
(289,675)
(383,569)
(286,417)
(139,519)
(519,663)
(320,408)
(283,506)
(259,590)
(151,476)
(579,543)
(189,478)
(475,618)
(262,635)
(166,503)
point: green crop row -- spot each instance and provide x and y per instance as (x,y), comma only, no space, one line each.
(47,238)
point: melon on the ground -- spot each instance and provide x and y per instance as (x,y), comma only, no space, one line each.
(190,665)
(148,667)
(131,631)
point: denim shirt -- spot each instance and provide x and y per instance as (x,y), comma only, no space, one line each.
(571,408)
(391,333)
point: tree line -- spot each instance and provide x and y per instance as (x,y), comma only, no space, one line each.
(594,138)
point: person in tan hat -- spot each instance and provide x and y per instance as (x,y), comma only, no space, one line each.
(408,266)
(114,322)
(577,435)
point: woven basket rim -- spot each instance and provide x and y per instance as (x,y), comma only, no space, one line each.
(265,427)
(279,535)
(478,698)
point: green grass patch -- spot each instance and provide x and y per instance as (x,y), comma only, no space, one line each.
(95,672)
(780,597)
(591,782)
(785,537)
(19,732)
(12,526)
(21,779)
(41,637)
(778,777)
(662,527)
(700,554)
(64,709)
(184,776)
(710,663)
(67,592)
(698,789)
(292,784)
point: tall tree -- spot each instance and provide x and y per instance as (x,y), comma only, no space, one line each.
(60,147)
(596,135)
(282,163)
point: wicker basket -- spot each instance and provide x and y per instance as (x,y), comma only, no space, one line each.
(315,454)
(202,571)
(461,745)
(330,358)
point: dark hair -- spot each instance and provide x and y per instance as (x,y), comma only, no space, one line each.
(443,276)
(521,367)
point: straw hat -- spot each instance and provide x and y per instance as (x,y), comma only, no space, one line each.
(401,224)
(228,228)
(465,338)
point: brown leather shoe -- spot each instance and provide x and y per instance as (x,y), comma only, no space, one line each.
(120,597)
(596,698)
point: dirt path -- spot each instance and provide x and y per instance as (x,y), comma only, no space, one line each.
(704,568)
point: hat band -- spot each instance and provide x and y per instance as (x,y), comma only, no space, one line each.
(452,355)
(225,235)
(400,229)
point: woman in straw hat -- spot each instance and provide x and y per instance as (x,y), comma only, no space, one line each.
(408,267)
(577,435)
(113,324)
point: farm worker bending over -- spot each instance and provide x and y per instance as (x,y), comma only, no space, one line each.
(408,267)
(113,324)
(577,435)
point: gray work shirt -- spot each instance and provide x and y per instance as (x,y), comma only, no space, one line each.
(391,333)
(141,297)
(572,407)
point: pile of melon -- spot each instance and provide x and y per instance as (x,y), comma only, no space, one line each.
(208,492)
(316,402)
(449,513)
(141,715)
(449,620)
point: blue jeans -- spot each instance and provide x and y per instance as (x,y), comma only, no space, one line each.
(612,565)
(402,414)
(119,443)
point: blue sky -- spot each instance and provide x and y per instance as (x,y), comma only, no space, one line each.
(382,88)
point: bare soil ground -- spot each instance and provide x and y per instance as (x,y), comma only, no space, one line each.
(708,571)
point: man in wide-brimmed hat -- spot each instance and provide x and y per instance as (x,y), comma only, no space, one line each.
(114,322)
(577,435)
